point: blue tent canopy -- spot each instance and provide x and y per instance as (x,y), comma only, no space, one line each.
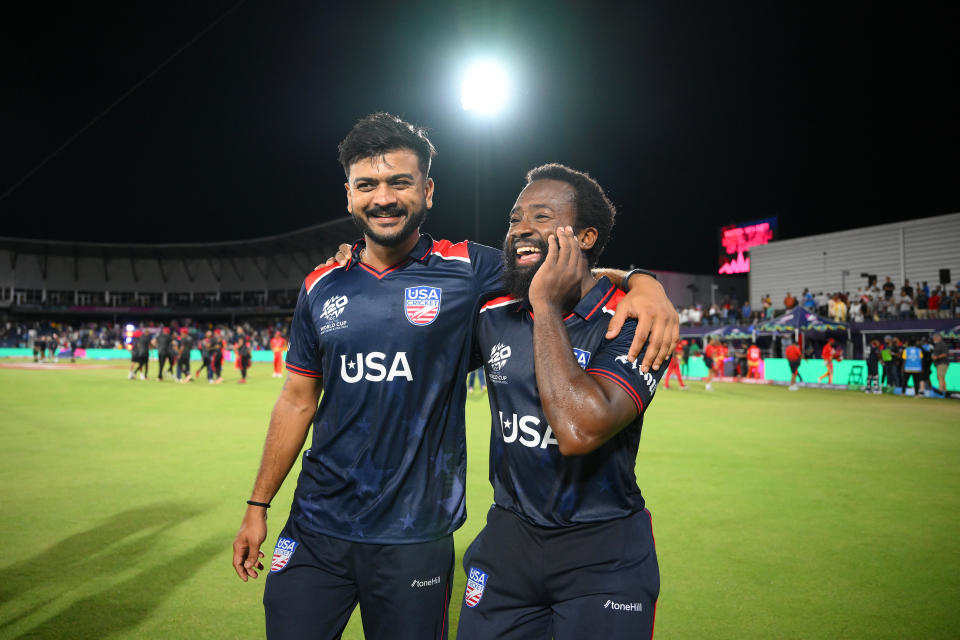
(953,333)
(732,332)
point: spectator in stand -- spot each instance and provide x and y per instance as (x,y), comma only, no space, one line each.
(856,310)
(946,301)
(932,308)
(808,302)
(905,305)
(696,316)
(906,288)
(841,309)
(832,308)
(940,356)
(789,302)
(746,312)
(922,304)
(888,288)
(767,305)
(713,315)
(793,356)
(822,302)
(926,288)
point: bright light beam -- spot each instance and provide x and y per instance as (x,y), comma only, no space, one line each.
(484,88)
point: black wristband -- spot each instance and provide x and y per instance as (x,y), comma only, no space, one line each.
(254,503)
(626,276)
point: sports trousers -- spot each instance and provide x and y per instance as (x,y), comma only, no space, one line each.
(587,581)
(315,581)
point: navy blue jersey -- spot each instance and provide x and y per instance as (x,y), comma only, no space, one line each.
(529,475)
(387,462)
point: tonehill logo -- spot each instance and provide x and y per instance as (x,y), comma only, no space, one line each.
(648,378)
(419,584)
(623,606)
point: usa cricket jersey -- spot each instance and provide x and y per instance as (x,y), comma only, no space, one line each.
(529,475)
(387,461)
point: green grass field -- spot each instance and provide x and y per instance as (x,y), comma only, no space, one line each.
(815,514)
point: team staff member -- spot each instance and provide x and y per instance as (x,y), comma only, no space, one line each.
(567,407)
(387,338)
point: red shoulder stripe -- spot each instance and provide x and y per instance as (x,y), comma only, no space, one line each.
(612,303)
(450,251)
(498,302)
(316,274)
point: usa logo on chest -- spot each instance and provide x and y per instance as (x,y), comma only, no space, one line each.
(421,304)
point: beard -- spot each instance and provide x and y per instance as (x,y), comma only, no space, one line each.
(413,221)
(517,279)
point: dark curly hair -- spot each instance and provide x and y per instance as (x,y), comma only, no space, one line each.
(593,207)
(380,133)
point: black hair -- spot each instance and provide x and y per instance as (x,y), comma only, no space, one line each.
(380,133)
(593,208)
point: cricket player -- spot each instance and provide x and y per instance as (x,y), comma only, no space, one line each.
(568,548)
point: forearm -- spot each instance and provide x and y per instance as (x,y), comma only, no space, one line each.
(289,423)
(616,277)
(571,399)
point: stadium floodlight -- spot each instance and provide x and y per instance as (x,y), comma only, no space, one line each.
(485,87)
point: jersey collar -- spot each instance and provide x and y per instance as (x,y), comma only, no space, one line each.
(590,305)
(421,251)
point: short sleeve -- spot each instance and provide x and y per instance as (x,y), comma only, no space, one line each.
(303,354)
(611,362)
(487,265)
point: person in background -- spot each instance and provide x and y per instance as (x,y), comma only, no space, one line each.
(753,362)
(828,354)
(710,354)
(940,357)
(912,368)
(793,356)
(162,343)
(183,356)
(278,344)
(476,374)
(673,368)
(241,346)
(789,302)
(873,368)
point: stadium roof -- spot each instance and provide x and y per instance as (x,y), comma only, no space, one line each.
(322,239)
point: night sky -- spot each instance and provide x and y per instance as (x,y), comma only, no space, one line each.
(691,115)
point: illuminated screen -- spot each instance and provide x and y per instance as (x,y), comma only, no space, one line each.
(736,240)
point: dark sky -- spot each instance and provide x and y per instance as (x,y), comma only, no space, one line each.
(691,115)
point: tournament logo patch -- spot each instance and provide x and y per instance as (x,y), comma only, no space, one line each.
(282,554)
(583,357)
(476,583)
(421,304)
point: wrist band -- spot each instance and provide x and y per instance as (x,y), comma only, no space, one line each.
(626,276)
(254,503)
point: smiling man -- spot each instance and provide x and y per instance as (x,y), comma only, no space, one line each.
(568,549)
(387,337)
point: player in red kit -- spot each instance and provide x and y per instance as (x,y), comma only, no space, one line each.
(753,362)
(673,368)
(793,355)
(829,354)
(711,354)
(278,345)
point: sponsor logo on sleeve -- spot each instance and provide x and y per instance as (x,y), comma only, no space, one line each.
(421,304)
(635,607)
(647,377)
(476,583)
(282,554)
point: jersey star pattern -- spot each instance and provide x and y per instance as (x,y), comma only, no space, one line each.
(529,475)
(387,461)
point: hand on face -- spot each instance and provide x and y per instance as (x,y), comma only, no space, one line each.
(557,282)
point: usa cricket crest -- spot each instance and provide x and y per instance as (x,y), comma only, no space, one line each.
(476,583)
(421,304)
(282,554)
